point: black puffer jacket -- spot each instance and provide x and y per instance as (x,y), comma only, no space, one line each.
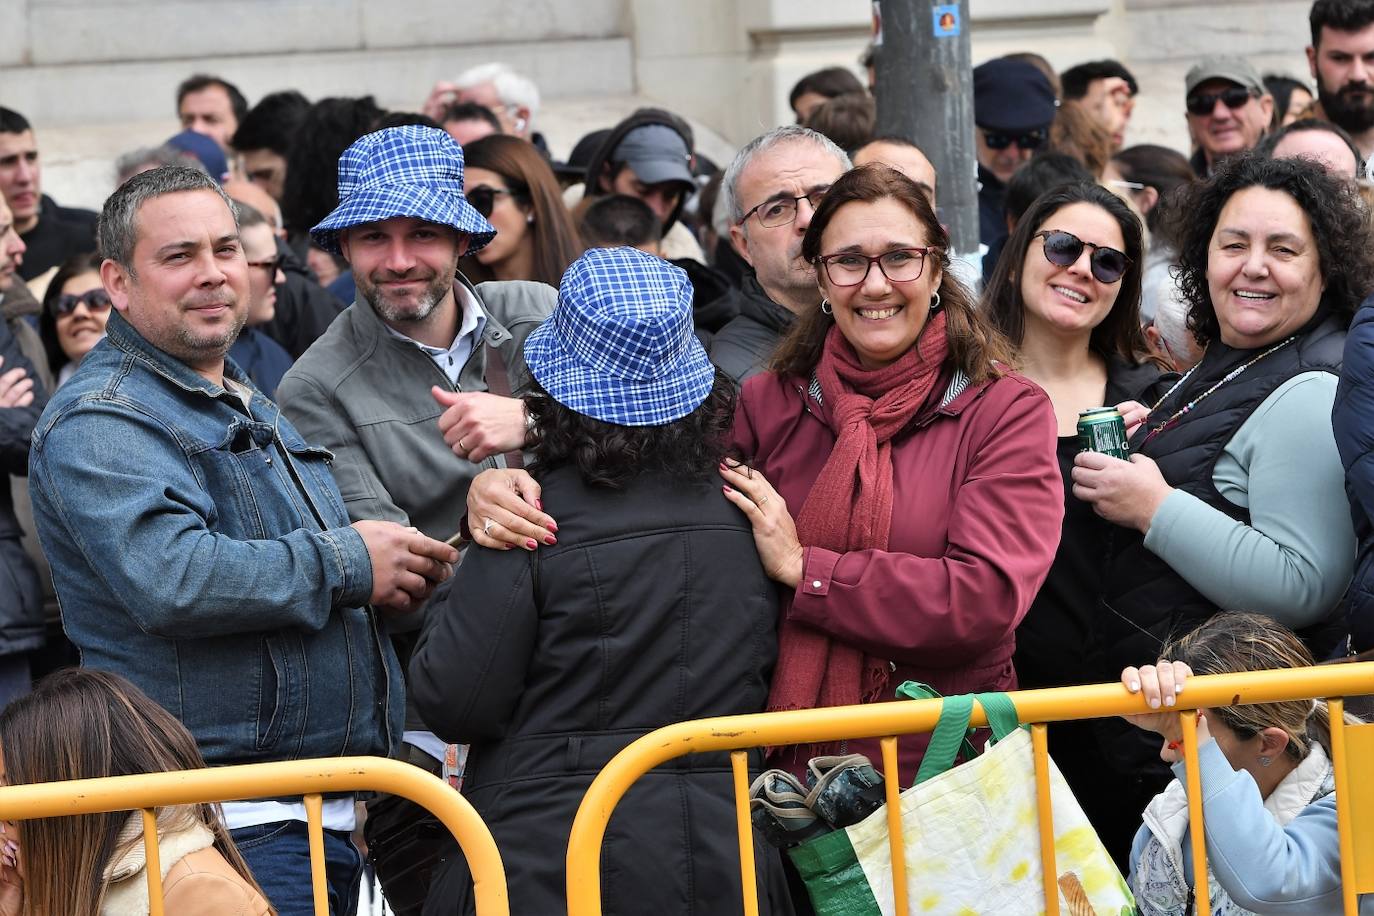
(651,609)
(742,347)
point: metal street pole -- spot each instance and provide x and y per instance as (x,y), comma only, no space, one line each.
(924,88)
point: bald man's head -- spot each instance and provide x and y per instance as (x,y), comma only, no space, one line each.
(247,192)
(903,156)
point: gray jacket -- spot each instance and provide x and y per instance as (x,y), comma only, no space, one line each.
(363,393)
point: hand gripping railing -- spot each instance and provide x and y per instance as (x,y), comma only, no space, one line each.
(887,720)
(307,778)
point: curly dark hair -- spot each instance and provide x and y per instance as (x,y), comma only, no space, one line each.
(1119,333)
(312,166)
(610,456)
(1338,219)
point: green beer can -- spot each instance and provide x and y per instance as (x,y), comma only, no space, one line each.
(1101,429)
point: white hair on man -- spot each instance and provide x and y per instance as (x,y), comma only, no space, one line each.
(516,94)
(1168,335)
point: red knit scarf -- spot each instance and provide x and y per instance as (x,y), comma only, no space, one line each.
(850,505)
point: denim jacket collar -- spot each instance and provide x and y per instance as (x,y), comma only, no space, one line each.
(122,335)
(493,335)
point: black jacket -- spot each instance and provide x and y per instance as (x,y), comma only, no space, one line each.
(21,599)
(304,308)
(651,609)
(1352,419)
(742,347)
(61,232)
(1060,641)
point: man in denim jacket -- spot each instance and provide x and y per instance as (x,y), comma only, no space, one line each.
(199,546)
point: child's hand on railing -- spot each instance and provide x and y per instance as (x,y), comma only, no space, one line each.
(1161,684)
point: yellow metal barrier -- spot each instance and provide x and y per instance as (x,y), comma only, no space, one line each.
(308,778)
(887,720)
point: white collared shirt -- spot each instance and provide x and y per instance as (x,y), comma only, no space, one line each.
(471,326)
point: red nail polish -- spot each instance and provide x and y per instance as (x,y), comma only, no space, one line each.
(550,540)
(727,489)
(553,527)
(531,544)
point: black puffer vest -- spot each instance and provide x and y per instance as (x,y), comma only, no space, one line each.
(1146,602)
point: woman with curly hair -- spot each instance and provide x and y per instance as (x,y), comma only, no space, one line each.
(510,183)
(1234,496)
(648,605)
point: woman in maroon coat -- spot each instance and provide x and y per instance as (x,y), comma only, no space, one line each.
(902,484)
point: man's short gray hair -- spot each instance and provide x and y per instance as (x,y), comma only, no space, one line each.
(117,232)
(788,133)
(514,90)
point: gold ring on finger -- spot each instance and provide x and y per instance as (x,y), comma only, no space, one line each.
(762,501)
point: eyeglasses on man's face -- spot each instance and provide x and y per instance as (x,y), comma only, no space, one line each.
(779,211)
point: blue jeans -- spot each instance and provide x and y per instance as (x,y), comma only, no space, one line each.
(279,856)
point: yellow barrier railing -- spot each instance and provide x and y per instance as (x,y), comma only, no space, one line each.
(310,779)
(887,720)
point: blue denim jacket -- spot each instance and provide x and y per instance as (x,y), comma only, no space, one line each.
(202,550)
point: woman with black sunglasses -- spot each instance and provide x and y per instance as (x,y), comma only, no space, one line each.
(75,309)
(513,186)
(1066,293)
(1234,496)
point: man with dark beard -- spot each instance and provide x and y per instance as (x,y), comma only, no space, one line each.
(410,388)
(1342,60)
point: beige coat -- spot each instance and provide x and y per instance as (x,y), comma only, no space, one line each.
(196,879)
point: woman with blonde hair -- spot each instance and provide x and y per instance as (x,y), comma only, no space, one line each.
(81,724)
(1267,783)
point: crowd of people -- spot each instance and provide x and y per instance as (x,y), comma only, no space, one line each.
(344,431)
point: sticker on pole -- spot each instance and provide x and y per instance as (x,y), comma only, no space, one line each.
(945,20)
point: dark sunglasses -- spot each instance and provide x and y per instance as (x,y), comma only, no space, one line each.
(271,265)
(483,199)
(1204,103)
(1031,139)
(96,300)
(1064,248)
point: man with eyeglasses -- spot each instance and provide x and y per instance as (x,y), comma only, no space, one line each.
(770,192)
(1229,110)
(411,389)
(1013,107)
(1342,60)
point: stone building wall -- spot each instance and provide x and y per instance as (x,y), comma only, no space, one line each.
(97,76)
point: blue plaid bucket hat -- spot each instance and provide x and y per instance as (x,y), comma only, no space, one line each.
(619,346)
(403,171)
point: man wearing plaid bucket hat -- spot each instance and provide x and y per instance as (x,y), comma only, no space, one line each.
(655,578)
(410,389)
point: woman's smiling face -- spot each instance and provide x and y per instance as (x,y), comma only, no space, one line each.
(880,318)
(1263,269)
(1070,300)
(81,328)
